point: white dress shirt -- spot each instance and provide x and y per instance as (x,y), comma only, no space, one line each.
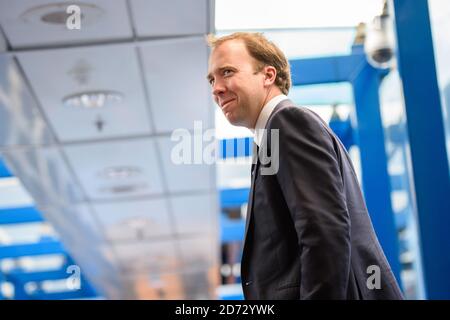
(264,115)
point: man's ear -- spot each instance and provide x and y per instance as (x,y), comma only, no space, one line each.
(270,74)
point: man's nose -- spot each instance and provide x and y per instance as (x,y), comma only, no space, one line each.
(218,88)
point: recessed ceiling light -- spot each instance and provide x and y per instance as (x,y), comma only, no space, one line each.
(139,222)
(120,172)
(93,99)
(56,17)
(125,188)
(55,14)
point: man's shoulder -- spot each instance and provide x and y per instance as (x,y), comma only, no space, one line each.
(287,113)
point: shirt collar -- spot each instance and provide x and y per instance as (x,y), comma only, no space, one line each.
(264,115)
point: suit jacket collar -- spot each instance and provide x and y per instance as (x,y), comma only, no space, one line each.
(264,115)
(263,139)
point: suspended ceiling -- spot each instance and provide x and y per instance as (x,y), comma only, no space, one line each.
(151,229)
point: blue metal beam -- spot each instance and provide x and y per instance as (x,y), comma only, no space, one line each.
(326,69)
(344,130)
(4,172)
(376,181)
(85,290)
(33,249)
(76,294)
(19,215)
(230,198)
(231,230)
(235,147)
(20,276)
(426,134)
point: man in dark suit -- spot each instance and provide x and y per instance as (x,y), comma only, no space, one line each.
(308,233)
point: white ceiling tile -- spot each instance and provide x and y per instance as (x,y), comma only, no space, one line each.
(196,214)
(88,222)
(89,161)
(102,20)
(71,221)
(155,256)
(135,220)
(195,284)
(185,176)
(45,175)
(199,252)
(181,65)
(170,17)
(111,68)
(154,286)
(199,284)
(20,120)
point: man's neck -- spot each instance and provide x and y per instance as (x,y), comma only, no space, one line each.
(264,115)
(272,92)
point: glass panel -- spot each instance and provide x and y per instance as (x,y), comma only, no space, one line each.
(402,194)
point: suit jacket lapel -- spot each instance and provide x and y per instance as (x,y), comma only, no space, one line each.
(255,167)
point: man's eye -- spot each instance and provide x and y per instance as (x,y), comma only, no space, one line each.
(211,81)
(227,72)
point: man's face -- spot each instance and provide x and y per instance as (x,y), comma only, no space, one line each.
(236,86)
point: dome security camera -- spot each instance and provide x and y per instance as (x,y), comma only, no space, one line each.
(379,43)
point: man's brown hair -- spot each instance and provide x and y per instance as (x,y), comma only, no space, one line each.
(263,51)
